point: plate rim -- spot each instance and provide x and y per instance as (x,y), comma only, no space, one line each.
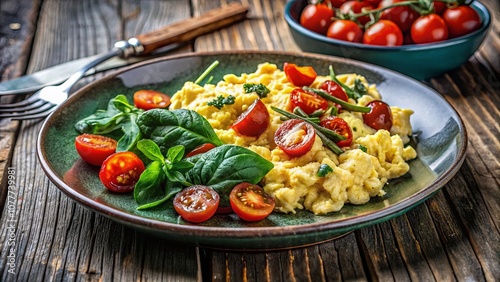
(155,225)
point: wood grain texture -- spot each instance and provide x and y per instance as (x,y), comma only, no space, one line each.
(452,236)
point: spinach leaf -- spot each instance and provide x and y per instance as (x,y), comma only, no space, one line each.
(119,115)
(225,166)
(177,127)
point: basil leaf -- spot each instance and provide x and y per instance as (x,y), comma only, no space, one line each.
(148,188)
(150,150)
(225,166)
(131,135)
(170,190)
(177,127)
(175,154)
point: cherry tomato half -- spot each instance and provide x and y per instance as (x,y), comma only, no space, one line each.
(150,99)
(461,20)
(299,75)
(340,126)
(94,149)
(385,33)
(429,28)
(309,102)
(316,18)
(200,149)
(380,115)
(250,202)
(295,137)
(197,203)
(121,171)
(253,121)
(345,30)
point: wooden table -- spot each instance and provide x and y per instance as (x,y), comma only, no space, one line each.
(46,236)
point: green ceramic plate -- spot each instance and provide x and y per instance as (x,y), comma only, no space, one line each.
(440,134)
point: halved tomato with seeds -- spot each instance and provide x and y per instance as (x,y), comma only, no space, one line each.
(121,171)
(250,202)
(309,102)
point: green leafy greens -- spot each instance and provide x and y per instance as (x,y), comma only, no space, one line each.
(220,101)
(260,89)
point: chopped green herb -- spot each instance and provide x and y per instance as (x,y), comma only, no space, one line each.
(260,89)
(362,148)
(220,101)
(323,170)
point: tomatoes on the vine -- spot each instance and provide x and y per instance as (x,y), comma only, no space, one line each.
(340,126)
(309,102)
(380,115)
(253,121)
(299,75)
(385,33)
(461,20)
(295,137)
(356,7)
(250,202)
(121,171)
(150,99)
(316,17)
(429,28)
(402,16)
(94,149)
(197,203)
(345,30)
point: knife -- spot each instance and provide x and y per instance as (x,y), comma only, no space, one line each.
(170,35)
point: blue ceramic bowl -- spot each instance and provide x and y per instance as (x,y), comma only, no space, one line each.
(420,61)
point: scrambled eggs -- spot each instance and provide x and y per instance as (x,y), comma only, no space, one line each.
(293,182)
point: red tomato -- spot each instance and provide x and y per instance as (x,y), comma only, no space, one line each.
(402,16)
(94,149)
(309,102)
(461,20)
(334,89)
(356,7)
(340,126)
(379,117)
(345,30)
(385,33)
(121,171)
(373,3)
(150,99)
(429,28)
(316,18)
(196,203)
(253,121)
(250,202)
(439,7)
(335,3)
(295,137)
(200,149)
(299,75)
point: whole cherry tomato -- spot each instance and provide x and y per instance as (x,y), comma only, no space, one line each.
(380,115)
(253,121)
(461,20)
(334,89)
(428,28)
(403,16)
(94,149)
(335,3)
(121,171)
(196,203)
(150,99)
(299,75)
(250,202)
(309,102)
(316,18)
(345,30)
(295,137)
(439,7)
(385,33)
(340,126)
(356,7)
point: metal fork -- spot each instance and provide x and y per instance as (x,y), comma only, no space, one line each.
(46,100)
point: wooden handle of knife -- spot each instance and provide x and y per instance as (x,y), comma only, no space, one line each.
(188,29)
